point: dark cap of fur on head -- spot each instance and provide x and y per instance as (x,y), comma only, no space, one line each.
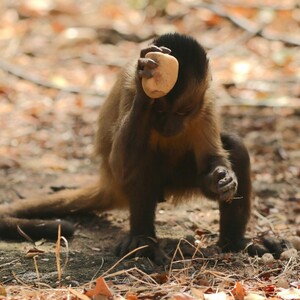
(186,49)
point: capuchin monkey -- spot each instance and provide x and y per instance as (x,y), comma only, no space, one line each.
(151,149)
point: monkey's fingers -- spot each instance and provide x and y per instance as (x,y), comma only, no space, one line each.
(219,173)
(225,181)
(154,48)
(165,50)
(145,74)
(227,192)
(147,62)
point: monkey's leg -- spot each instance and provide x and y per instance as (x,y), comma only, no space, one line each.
(143,195)
(234,215)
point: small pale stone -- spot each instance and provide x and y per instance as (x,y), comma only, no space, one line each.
(282,283)
(287,254)
(295,241)
(164,75)
(267,258)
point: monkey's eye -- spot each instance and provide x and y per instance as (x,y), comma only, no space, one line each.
(181,113)
(161,111)
(184,112)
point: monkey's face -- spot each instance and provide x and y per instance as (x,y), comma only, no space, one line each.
(173,112)
(170,118)
(168,124)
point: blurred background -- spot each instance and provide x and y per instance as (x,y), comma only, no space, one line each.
(59,58)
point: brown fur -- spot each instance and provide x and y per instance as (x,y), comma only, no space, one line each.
(141,163)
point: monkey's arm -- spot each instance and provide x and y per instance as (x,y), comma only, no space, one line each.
(130,141)
(216,178)
(131,137)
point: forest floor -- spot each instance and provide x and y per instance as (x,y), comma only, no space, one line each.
(272,136)
(58,60)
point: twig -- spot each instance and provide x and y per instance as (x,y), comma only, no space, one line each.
(292,259)
(57,255)
(122,258)
(24,235)
(140,280)
(247,25)
(9,263)
(37,271)
(121,272)
(19,280)
(98,270)
(67,253)
(20,73)
(268,272)
(78,294)
(266,221)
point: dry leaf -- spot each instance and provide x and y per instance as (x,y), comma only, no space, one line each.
(239,291)
(289,294)
(101,289)
(78,294)
(254,297)
(197,293)
(131,297)
(2,291)
(33,252)
(216,296)
(181,296)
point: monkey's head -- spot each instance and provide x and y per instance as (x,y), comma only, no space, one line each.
(185,100)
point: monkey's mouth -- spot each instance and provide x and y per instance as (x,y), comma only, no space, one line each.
(169,132)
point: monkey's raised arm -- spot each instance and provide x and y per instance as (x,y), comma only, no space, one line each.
(131,137)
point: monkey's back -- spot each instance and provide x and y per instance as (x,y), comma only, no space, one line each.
(114,110)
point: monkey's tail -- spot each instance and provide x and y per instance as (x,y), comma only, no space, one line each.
(16,228)
(30,214)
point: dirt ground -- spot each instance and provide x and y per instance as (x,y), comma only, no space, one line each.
(272,136)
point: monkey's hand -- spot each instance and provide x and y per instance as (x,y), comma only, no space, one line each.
(149,247)
(223,182)
(146,66)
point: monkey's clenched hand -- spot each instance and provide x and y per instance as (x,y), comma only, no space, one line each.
(146,66)
(223,182)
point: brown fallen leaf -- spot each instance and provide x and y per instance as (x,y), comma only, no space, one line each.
(181,296)
(131,297)
(78,294)
(238,292)
(2,291)
(101,289)
(33,252)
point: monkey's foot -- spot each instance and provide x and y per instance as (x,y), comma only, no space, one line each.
(142,246)
(258,246)
(268,244)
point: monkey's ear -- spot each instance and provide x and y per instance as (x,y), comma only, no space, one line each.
(164,77)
